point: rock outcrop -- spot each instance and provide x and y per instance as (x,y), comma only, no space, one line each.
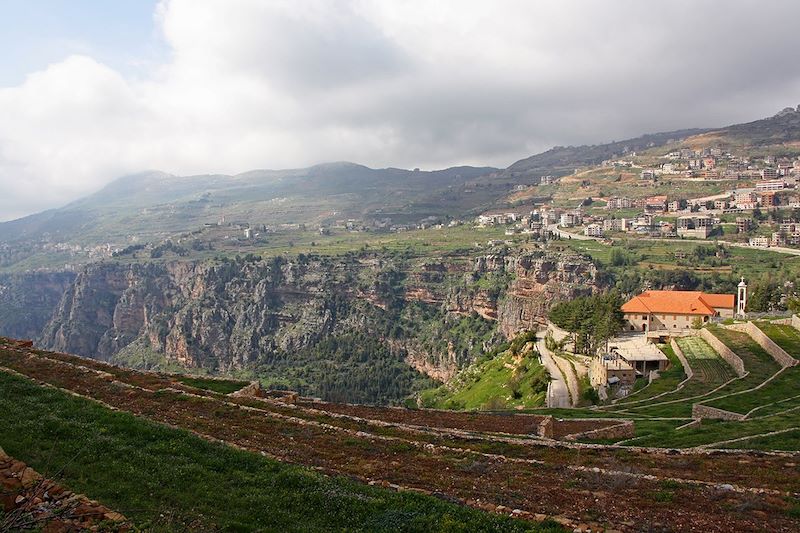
(228,315)
(28,300)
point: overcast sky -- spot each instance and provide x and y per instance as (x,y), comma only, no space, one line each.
(91,89)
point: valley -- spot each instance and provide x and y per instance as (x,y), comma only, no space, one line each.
(456,337)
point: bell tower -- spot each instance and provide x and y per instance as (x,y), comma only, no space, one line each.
(742,298)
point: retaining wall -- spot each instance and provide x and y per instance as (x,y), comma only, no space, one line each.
(687,369)
(624,430)
(545,428)
(705,411)
(726,353)
(777,353)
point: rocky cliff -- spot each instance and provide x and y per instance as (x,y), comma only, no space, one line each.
(272,315)
(27,301)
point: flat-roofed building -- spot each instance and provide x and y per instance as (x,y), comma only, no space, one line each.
(641,355)
(610,370)
(699,227)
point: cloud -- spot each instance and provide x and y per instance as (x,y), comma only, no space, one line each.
(287,83)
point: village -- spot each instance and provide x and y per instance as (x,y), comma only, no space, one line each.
(756,203)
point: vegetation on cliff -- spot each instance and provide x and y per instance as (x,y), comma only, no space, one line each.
(591,320)
(509,376)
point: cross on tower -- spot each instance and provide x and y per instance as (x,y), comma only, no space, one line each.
(742,299)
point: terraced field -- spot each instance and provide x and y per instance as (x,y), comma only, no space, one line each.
(781,393)
(709,368)
(785,336)
(710,373)
(759,365)
(602,486)
(667,382)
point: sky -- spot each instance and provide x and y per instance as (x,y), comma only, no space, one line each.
(91,90)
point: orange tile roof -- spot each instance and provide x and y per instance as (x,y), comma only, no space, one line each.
(726,301)
(678,303)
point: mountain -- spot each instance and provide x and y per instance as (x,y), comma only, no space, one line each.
(778,130)
(154,204)
(564,159)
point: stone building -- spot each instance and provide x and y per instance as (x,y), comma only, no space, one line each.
(674,310)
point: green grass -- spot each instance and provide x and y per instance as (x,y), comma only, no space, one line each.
(785,336)
(710,371)
(708,367)
(757,362)
(223,386)
(169,480)
(711,431)
(667,381)
(782,389)
(788,441)
(499,383)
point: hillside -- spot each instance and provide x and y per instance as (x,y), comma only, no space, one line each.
(564,159)
(153,204)
(508,377)
(494,462)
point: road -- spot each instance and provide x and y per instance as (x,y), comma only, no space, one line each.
(579,237)
(567,235)
(559,393)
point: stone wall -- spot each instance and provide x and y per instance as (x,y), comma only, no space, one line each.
(679,353)
(28,500)
(777,353)
(704,411)
(545,428)
(726,353)
(624,430)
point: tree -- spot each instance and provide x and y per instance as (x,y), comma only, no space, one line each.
(591,320)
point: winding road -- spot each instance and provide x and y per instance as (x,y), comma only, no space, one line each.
(558,393)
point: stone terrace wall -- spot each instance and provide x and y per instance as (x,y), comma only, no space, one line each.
(704,411)
(687,369)
(623,430)
(794,321)
(32,502)
(726,353)
(777,353)
(579,428)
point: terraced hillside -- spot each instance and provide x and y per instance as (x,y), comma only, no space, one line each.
(463,457)
(710,372)
(784,335)
(668,381)
(708,367)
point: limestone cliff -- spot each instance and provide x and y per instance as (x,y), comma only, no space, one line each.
(28,300)
(437,315)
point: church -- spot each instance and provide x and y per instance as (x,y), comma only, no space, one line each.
(676,310)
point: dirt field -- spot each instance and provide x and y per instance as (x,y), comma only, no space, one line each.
(429,451)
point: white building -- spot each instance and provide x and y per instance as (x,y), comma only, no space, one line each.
(593,230)
(759,242)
